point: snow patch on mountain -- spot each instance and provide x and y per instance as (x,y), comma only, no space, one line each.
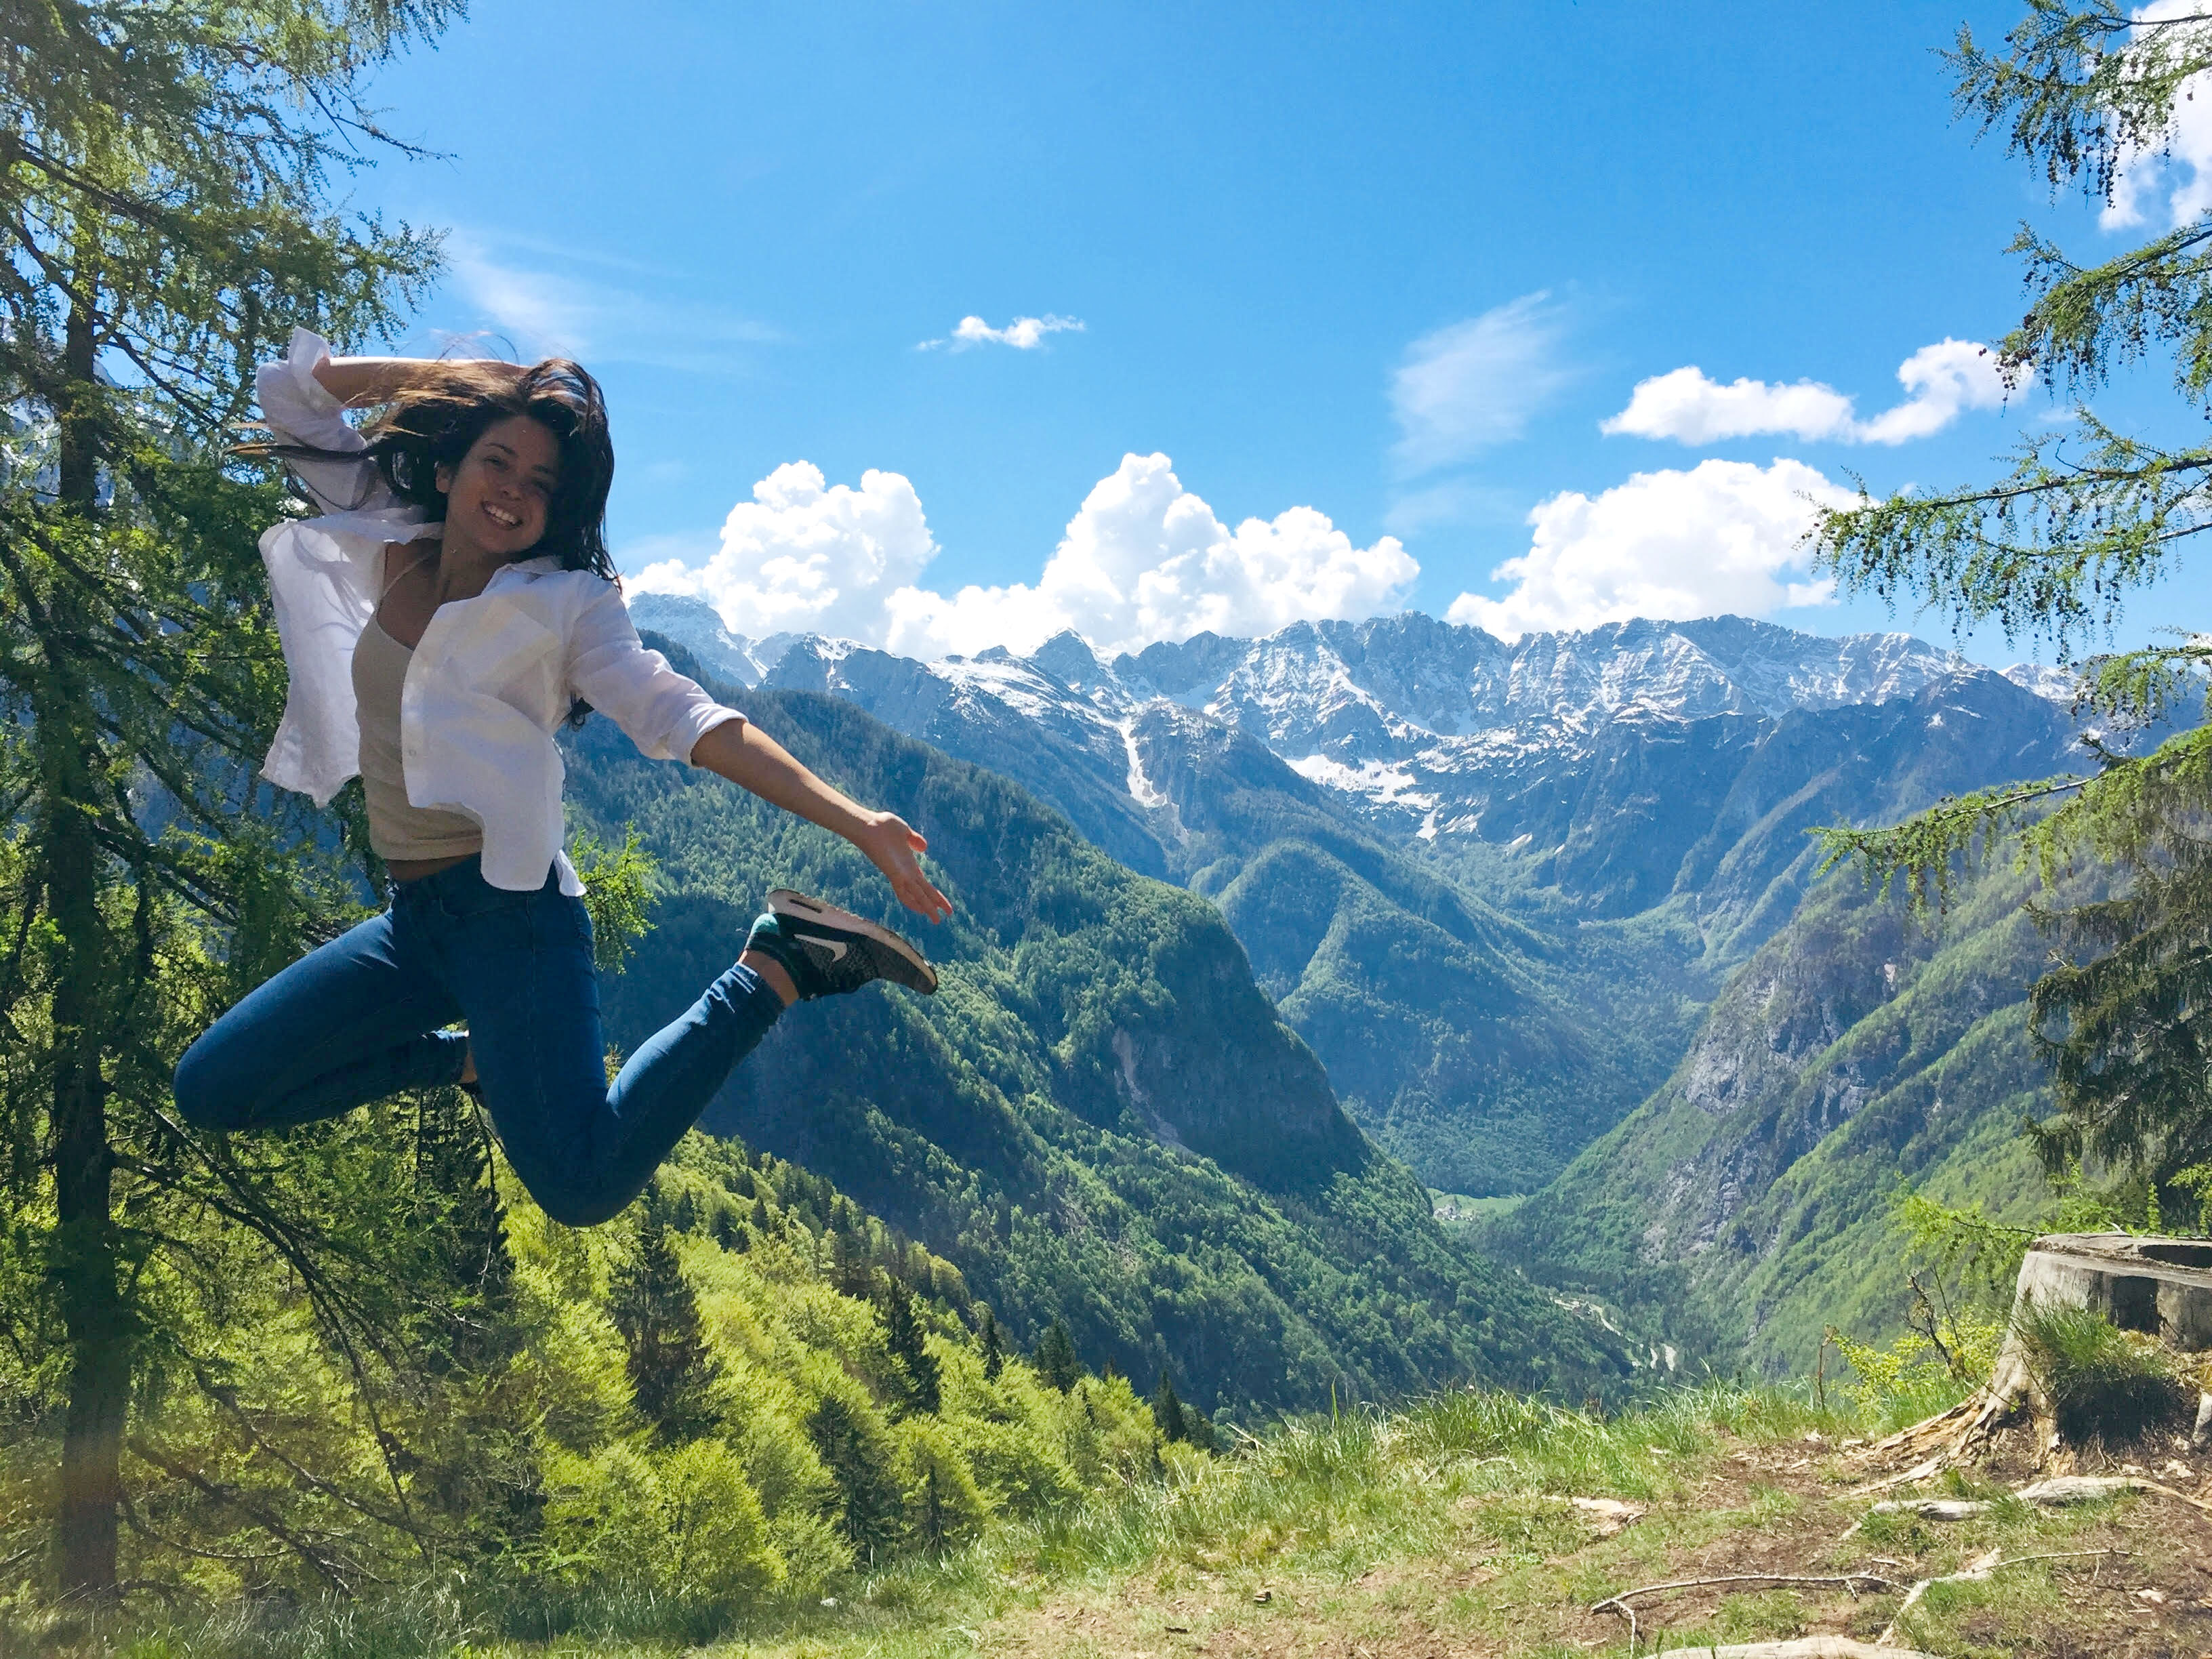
(1141,786)
(693,624)
(2052,683)
(1380,782)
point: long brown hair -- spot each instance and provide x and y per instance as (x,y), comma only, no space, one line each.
(435,422)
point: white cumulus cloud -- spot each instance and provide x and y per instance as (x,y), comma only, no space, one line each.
(1142,560)
(1940,381)
(1724,537)
(1023,333)
(804,556)
(1685,405)
(1473,385)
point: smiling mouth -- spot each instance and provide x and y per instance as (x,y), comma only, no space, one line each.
(500,515)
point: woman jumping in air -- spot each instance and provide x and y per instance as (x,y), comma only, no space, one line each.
(454,605)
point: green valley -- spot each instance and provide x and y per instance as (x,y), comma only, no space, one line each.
(1576,1014)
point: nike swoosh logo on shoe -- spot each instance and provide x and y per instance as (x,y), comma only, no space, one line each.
(836,947)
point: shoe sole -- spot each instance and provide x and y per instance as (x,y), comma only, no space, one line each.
(785,902)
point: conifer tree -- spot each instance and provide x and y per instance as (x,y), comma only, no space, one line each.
(2084,91)
(672,1372)
(851,1269)
(164,207)
(860,1462)
(462,1216)
(1167,1410)
(474,1461)
(1055,1359)
(993,1349)
(903,1334)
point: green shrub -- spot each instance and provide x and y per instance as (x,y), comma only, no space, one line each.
(943,1505)
(1919,1375)
(685,1521)
(2103,1382)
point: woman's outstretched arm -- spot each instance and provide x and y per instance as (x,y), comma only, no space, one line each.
(358,382)
(749,757)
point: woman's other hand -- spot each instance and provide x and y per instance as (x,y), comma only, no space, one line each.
(894,848)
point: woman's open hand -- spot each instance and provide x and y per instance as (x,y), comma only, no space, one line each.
(894,847)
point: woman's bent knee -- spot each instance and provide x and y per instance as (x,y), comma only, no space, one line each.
(581,1208)
(210,1092)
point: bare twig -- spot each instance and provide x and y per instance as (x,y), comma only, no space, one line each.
(1801,1647)
(2075,1488)
(1850,1581)
(1844,1580)
(1972,1572)
(330,1569)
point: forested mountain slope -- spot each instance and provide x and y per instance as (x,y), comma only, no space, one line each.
(1098,1117)
(1493,886)
(742,1388)
(1748,1204)
(1462,1037)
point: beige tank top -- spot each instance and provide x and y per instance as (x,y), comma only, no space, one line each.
(398,829)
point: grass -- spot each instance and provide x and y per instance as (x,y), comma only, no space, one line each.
(1441,1530)
(2103,1382)
(1458,1210)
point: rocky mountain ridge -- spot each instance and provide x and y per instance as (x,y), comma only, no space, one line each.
(1328,685)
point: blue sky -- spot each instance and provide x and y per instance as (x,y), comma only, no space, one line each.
(1397,266)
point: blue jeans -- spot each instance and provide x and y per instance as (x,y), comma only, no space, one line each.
(359,1019)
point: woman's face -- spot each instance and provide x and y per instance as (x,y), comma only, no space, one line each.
(497,498)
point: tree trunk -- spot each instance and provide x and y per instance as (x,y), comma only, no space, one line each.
(85,1256)
(85,1243)
(78,446)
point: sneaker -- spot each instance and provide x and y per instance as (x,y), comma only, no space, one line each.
(828,951)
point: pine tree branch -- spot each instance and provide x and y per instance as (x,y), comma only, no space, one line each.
(332,1569)
(1925,850)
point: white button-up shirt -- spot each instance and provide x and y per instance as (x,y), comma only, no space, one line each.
(493,676)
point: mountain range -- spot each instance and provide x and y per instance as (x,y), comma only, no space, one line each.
(1497,887)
